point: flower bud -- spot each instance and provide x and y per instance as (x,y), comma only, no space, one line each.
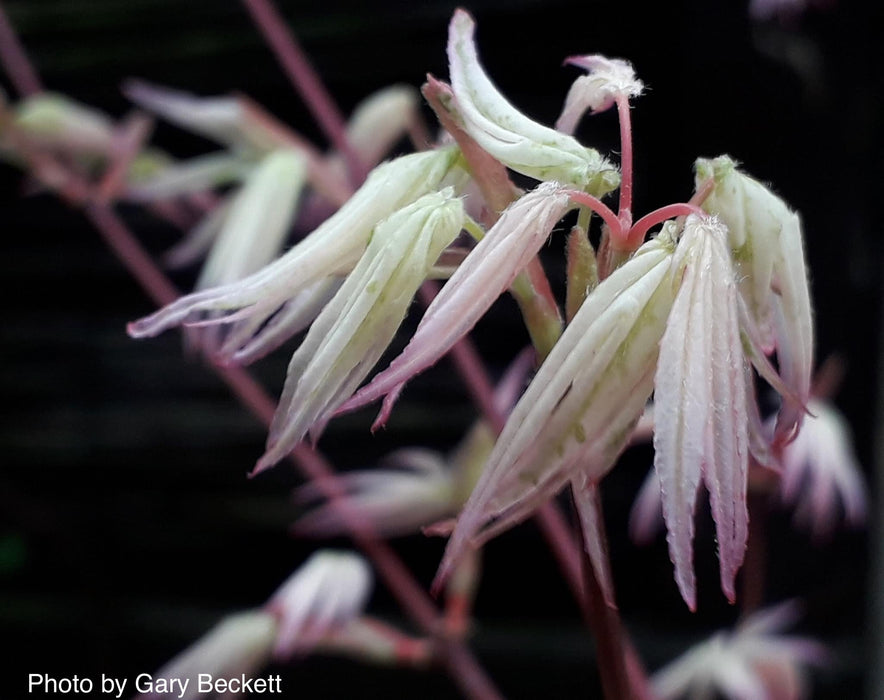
(58,122)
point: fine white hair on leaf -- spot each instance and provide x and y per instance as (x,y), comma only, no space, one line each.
(767,247)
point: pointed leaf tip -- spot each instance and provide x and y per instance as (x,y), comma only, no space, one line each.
(701,410)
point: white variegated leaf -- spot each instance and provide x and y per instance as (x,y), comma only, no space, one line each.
(503,131)
(700,409)
(579,410)
(356,326)
(481,278)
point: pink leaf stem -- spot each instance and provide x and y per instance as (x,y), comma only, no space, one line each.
(636,235)
(612,646)
(625,209)
(602,209)
(305,80)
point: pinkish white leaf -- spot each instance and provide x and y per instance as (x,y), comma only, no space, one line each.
(356,326)
(331,250)
(508,135)
(255,337)
(793,324)
(222,119)
(646,516)
(239,644)
(257,221)
(381,120)
(416,488)
(197,174)
(767,248)
(418,492)
(57,122)
(700,410)
(483,276)
(821,475)
(752,662)
(328,591)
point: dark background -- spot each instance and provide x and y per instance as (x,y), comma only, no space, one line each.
(127,525)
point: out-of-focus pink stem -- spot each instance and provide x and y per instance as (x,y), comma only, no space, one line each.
(15,61)
(129,251)
(305,80)
(128,140)
(754,576)
(828,377)
(611,649)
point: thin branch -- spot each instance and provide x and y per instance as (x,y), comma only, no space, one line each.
(607,630)
(306,82)
(15,61)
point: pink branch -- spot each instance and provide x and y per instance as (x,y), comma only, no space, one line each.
(306,82)
(15,61)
